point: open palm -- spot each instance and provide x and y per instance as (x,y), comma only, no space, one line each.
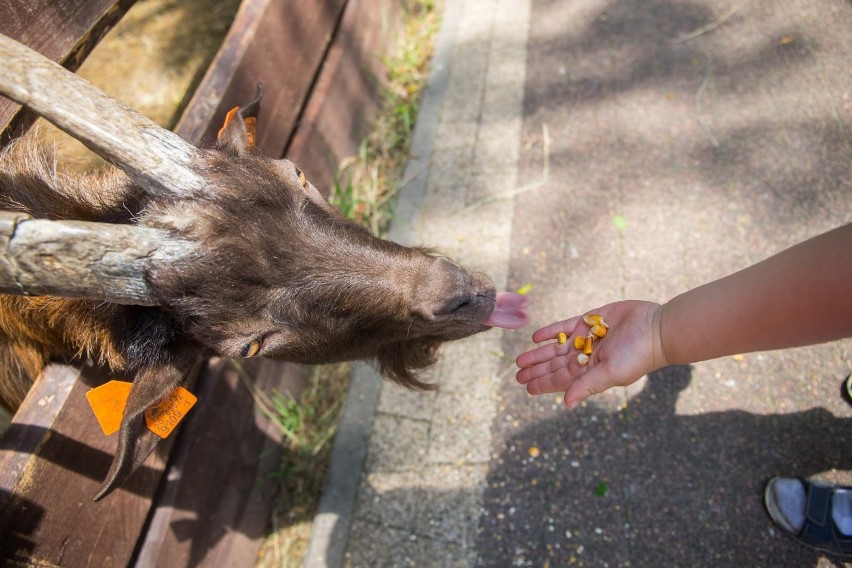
(630,349)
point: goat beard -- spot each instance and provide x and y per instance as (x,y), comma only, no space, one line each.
(400,362)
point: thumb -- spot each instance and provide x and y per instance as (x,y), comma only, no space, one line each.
(593,381)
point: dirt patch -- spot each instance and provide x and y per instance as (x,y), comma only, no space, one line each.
(152,60)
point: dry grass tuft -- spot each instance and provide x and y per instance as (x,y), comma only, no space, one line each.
(367,183)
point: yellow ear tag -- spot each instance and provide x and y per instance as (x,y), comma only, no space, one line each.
(162,418)
(107,402)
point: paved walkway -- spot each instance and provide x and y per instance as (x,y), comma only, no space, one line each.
(601,151)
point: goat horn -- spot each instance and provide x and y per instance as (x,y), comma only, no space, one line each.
(157,159)
(79,259)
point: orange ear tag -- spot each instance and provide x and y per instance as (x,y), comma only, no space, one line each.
(228,118)
(107,402)
(251,130)
(162,418)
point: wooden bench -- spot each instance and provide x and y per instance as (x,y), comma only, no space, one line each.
(204,497)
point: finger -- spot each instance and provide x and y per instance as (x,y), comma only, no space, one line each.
(594,381)
(557,381)
(541,354)
(558,361)
(552,330)
(560,375)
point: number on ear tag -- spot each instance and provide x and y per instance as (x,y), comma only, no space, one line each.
(162,418)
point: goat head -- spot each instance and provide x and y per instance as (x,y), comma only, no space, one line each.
(265,266)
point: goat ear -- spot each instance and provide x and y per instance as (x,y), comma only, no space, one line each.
(238,135)
(135,441)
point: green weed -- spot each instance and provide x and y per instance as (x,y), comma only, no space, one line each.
(366,183)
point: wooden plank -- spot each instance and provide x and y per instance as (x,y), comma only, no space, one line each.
(228,451)
(278,43)
(35,23)
(347,93)
(47,514)
(53,459)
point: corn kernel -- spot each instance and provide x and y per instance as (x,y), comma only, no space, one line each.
(598,330)
(582,359)
(561,338)
(589,344)
(579,341)
(594,319)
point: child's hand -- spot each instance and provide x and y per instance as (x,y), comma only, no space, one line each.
(630,349)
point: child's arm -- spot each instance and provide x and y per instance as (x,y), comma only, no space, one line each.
(800,296)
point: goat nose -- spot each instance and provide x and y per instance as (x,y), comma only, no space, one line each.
(478,296)
(459,304)
(483,285)
(452,290)
(477,293)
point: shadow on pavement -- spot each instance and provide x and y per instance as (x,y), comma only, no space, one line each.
(645,486)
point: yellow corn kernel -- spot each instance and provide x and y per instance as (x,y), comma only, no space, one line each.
(582,359)
(561,338)
(594,319)
(598,330)
(579,341)
(589,344)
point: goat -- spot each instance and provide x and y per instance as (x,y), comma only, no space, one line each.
(257,262)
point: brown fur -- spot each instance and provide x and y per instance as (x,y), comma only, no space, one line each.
(273,264)
(34,330)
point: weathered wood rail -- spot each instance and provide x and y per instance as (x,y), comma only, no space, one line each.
(204,497)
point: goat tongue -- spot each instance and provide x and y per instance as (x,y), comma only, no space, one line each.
(511,311)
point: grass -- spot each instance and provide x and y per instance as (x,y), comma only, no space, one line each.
(364,190)
(308,426)
(366,183)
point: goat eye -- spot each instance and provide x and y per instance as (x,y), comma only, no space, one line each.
(302,179)
(250,349)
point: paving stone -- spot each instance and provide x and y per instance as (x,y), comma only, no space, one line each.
(403,402)
(452,504)
(391,499)
(461,427)
(397,444)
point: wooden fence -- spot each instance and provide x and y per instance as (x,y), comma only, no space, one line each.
(204,497)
